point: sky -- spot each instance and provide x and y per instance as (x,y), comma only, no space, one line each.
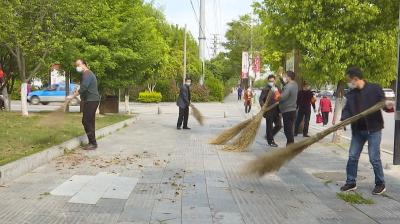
(218,14)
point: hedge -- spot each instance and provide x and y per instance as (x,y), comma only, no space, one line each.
(216,89)
(150,97)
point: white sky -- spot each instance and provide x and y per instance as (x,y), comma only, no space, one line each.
(218,14)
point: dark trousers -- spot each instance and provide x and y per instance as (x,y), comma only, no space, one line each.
(247,108)
(325,116)
(183,117)
(302,114)
(273,125)
(288,125)
(239,96)
(89,119)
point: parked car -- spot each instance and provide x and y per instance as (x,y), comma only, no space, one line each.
(389,93)
(55,93)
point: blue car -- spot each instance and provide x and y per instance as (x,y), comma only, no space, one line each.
(55,93)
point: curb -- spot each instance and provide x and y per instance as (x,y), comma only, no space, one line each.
(15,169)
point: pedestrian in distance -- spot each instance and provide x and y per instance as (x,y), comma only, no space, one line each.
(183,103)
(288,105)
(272,117)
(305,100)
(325,107)
(91,99)
(239,92)
(248,100)
(362,96)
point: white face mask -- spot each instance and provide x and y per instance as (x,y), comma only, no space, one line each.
(188,83)
(270,84)
(285,80)
(79,69)
(351,85)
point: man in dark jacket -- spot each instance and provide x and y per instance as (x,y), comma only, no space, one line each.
(183,104)
(272,117)
(91,98)
(362,96)
(304,103)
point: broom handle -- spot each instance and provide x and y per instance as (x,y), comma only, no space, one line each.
(350,120)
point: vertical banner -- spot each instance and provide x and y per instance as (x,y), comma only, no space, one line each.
(245,65)
(257,65)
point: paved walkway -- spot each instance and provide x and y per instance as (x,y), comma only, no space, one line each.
(176,177)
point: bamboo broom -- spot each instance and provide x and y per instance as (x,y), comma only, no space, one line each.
(249,133)
(197,115)
(273,161)
(56,118)
(231,132)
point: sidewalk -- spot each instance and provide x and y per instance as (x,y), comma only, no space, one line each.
(176,177)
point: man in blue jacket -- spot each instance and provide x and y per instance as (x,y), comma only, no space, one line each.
(362,96)
(183,104)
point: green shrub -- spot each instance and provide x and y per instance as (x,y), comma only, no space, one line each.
(150,97)
(168,90)
(260,83)
(216,89)
(199,93)
(232,82)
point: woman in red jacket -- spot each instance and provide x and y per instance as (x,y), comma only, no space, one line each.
(325,107)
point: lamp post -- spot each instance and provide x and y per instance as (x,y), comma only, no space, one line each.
(396,149)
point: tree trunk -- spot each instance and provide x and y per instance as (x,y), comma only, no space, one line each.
(127,106)
(338,110)
(24,103)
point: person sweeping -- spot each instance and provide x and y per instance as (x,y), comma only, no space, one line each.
(364,95)
(183,103)
(272,117)
(91,99)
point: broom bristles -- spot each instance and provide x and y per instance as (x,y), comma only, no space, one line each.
(56,118)
(273,161)
(231,132)
(249,133)
(197,115)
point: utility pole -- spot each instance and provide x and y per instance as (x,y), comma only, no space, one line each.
(184,55)
(202,39)
(215,45)
(396,149)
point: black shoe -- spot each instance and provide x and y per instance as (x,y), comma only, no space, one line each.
(306,136)
(186,128)
(348,187)
(379,189)
(90,147)
(273,144)
(179,128)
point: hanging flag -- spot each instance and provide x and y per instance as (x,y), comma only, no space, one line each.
(245,65)
(257,65)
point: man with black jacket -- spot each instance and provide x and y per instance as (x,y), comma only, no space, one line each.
(362,96)
(183,104)
(304,102)
(272,117)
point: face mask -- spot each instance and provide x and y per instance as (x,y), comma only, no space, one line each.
(351,85)
(188,83)
(79,69)
(285,80)
(270,84)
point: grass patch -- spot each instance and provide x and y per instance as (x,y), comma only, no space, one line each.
(23,136)
(354,198)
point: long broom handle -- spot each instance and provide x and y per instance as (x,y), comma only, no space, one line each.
(352,119)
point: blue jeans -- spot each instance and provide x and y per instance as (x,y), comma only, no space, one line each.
(357,143)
